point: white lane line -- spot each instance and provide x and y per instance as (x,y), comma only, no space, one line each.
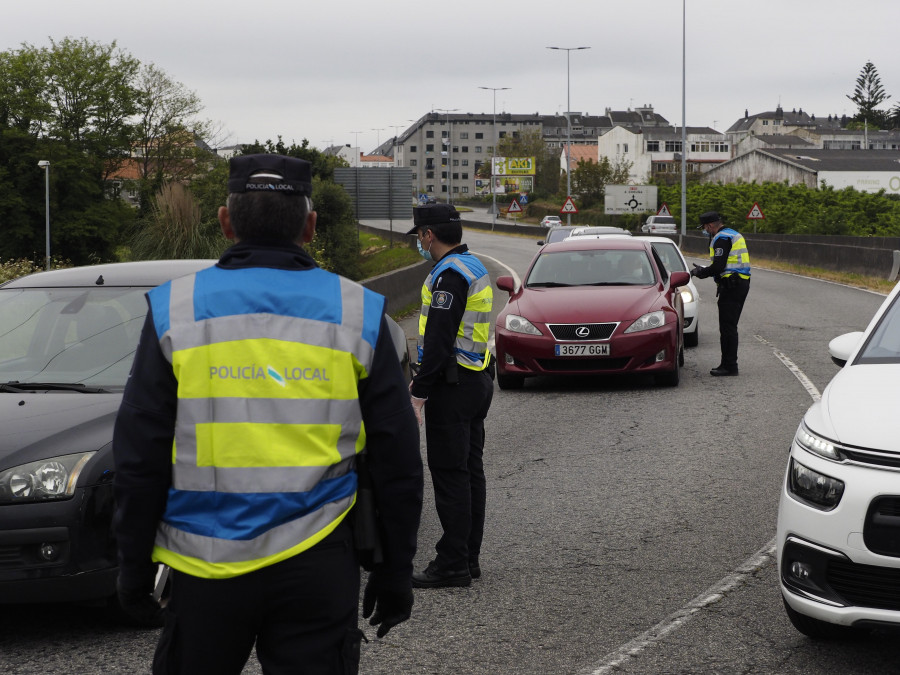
(763,557)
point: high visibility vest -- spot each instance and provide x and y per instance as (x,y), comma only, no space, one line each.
(268,419)
(474,329)
(739,258)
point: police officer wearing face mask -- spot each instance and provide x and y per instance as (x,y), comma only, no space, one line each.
(256,384)
(731,269)
(453,389)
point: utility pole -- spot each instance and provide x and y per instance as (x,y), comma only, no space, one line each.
(493,156)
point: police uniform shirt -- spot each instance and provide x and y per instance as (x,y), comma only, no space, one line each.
(449,293)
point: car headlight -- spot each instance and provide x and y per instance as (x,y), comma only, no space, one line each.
(813,487)
(648,321)
(686,295)
(816,444)
(44,480)
(519,324)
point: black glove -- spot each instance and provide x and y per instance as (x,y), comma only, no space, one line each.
(696,269)
(390,607)
(139,605)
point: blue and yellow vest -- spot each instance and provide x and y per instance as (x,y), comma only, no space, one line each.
(474,329)
(739,257)
(268,418)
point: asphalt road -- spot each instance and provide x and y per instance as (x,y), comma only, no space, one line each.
(630,528)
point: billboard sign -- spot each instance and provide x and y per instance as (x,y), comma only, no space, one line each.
(630,199)
(514,166)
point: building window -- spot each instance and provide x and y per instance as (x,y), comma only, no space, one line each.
(456,176)
(415,175)
(502,134)
(652,146)
(455,162)
(625,148)
(429,188)
(478,148)
(465,190)
(412,162)
(412,148)
(465,162)
(673,146)
(429,147)
(443,175)
(429,174)
(464,135)
(465,148)
(478,135)
(445,133)
(765,123)
(465,176)
(429,133)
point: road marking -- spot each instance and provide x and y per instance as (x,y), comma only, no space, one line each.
(762,558)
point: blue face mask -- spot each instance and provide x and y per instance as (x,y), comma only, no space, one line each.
(422,252)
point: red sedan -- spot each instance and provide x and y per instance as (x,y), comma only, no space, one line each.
(592,306)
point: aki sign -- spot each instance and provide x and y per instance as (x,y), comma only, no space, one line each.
(513,166)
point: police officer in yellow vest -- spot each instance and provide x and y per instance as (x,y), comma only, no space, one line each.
(453,389)
(731,269)
(255,385)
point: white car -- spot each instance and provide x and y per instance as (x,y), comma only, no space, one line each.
(838,540)
(550,221)
(660,225)
(598,231)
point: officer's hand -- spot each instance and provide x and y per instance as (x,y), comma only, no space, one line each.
(390,607)
(418,405)
(139,605)
(696,268)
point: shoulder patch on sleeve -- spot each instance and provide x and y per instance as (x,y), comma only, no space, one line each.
(441,300)
(718,251)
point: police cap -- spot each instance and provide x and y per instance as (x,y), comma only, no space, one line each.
(270,173)
(709,217)
(433,214)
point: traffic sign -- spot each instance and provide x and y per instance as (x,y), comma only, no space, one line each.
(664,210)
(568,206)
(514,207)
(755,213)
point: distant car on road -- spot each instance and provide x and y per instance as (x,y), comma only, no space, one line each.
(599,231)
(557,233)
(660,225)
(550,221)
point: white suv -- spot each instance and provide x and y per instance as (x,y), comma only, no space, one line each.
(551,221)
(839,515)
(660,225)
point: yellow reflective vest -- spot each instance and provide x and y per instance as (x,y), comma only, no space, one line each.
(268,422)
(739,258)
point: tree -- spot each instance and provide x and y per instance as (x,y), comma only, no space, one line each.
(868,95)
(589,179)
(530,144)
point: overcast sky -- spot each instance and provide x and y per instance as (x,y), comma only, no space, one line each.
(356,72)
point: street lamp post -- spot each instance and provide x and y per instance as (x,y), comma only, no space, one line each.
(449,150)
(45,165)
(568,51)
(356,149)
(493,156)
(378,136)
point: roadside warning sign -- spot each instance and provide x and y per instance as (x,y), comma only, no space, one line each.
(664,210)
(514,207)
(568,206)
(755,213)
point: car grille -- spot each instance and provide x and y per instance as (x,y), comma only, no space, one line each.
(865,585)
(881,531)
(596,331)
(861,456)
(575,364)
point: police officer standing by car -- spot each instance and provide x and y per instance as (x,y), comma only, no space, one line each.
(256,383)
(453,386)
(730,268)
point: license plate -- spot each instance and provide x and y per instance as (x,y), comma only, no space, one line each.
(582,349)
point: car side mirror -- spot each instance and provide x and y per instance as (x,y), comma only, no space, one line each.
(841,347)
(679,279)
(506,283)
(540,242)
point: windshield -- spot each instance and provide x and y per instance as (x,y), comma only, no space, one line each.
(670,256)
(70,335)
(591,268)
(883,345)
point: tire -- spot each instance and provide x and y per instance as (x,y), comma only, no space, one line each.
(672,377)
(692,339)
(818,629)
(507,382)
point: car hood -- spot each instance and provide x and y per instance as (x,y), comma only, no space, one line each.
(858,407)
(41,425)
(582,304)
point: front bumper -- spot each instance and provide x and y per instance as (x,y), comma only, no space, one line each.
(826,564)
(528,355)
(58,551)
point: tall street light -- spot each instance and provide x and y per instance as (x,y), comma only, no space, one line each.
(356,149)
(449,150)
(45,165)
(378,136)
(493,156)
(568,51)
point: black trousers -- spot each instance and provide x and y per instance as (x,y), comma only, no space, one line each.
(300,613)
(454,433)
(732,294)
